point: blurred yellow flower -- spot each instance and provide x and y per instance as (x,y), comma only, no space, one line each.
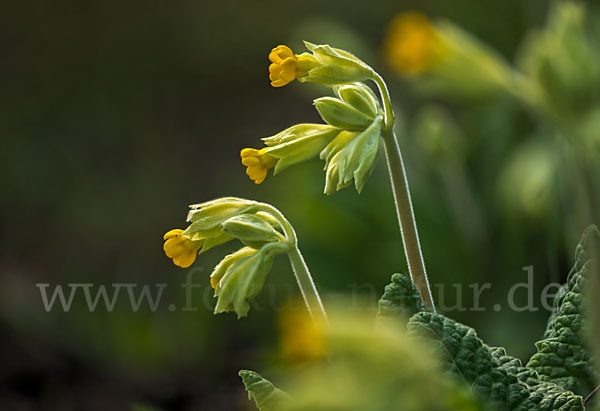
(301,338)
(258,163)
(182,250)
(410,43)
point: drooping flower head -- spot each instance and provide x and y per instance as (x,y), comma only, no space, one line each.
(182,250)
(240,276)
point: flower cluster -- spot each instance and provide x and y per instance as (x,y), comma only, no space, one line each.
(239,276)
(349,139)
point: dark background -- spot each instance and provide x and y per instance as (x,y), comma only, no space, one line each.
(114,116)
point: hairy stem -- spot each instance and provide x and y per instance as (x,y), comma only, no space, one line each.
(309,292)
(590,397)
(307,287)
(402,199)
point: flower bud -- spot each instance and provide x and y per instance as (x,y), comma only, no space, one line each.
(341,114)
(250,229)
(335,66)
(205,216)
(359,96)
(241,275)
(293,145)
(299,143)
(351,156)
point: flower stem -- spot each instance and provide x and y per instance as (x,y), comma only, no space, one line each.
(309,292)
(307,287)
(402,199)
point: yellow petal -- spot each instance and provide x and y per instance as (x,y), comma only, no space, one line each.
(279,83)
(186,259)
(280,53)
(288,72)
(172,233)
(174,247)
(250,161)
(248,152)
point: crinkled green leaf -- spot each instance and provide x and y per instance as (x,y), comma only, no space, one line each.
(400,299)
(563,355)
(501,382)
(266,396)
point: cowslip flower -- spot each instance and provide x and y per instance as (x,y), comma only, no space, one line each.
(287,66)
(182,250)
(410,43)
(323,65)
(446,58)
(258,162)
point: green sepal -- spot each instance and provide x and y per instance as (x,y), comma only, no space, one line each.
(250,228)
(296,131)
(266,396)
(299,143)
(359,96)
(352,159)
(241,275)
(207,215)
(341,114)
(210,238)
(335,66)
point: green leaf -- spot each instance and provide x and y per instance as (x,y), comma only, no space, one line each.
(503,382)
(400,299)
(563,355)
(266,396)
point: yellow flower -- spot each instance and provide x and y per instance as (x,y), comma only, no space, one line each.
(300,337)
(258,163)
(283,69)
(183,251)
(410,44)
(287,66)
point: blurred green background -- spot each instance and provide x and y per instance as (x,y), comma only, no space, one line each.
(114,116)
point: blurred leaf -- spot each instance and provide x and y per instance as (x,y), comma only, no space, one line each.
(265,394)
